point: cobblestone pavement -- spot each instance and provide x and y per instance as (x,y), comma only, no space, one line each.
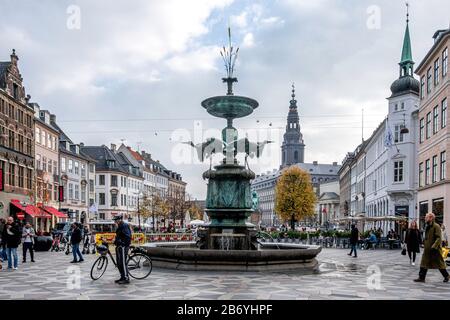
(340,277)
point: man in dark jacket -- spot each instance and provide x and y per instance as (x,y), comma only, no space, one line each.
(122,243)
(12,237)
(432,257)
(75,240)
(354,238)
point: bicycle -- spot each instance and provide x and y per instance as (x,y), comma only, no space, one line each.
(139,264)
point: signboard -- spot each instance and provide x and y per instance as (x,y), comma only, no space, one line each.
(136,238)
(402,211)
(61,194)
(1,180)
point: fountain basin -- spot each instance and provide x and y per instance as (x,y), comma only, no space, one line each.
(270,256)
(229,107)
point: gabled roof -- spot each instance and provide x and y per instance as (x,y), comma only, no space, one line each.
(135,154)
(329,196)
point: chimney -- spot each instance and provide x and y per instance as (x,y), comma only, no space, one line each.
(14,57)
(53,118)
(335,164)
(81,144)
(113,147)
(315,163)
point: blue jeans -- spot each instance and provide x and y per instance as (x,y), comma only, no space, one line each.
(353,250)
(76,251)
(12,253)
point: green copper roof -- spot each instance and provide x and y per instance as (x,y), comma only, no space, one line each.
(406,51)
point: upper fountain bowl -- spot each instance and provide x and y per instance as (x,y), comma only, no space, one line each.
(230,106)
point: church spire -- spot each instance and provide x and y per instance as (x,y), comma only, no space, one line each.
(293,101)
(406,62)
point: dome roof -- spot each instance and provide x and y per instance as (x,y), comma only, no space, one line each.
(405,84)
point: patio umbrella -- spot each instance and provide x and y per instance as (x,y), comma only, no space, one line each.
(187,218)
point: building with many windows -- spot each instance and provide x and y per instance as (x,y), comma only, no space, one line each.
(292,151)
(434,183)
(382,169)
(76,177)
(118,182)
(16,140)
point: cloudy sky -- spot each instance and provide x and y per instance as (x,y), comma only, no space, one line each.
(136,71)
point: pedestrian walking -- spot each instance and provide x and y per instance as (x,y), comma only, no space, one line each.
(354,239)
(12,237)
(75,240)
(28,235)
(413,240)
(122,243)
(432,257)
(2,242)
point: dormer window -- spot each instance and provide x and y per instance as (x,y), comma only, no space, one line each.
(110,163)
(15,91)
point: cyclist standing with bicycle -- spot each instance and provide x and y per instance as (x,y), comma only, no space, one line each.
(122,243)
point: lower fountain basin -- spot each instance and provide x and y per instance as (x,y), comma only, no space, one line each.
(268,257)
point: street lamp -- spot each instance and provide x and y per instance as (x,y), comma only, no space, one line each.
(138,210)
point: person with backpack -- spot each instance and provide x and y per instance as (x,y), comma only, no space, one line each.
(12,237)
(75,240)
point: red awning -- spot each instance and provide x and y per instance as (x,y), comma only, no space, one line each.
(33,211)
(36,212)
(55,212)
(17,204)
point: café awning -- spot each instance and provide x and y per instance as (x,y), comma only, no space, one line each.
(33,211)
(55,212)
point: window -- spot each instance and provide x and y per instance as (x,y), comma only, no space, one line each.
(55,192)
(443,168)
(63,164)
(11,139)
(83,193)
(436,72)
(55,167)
(49,141)
(38,162)
(70,166)
(43,138)
(398,171)
(12,175)
(91,168)
(113,181)
(38,136)
(29,178)
(427,172)
(428,125)
(77,192)
(70,191)
(101,180)
(113,200)
(435,119)
(444,113)
(422,129)
(77,171)
(91,185)
(49,165)
(444,62)
(83,170)
(21,177)
(421,174)
(429,80)
(434,170)
(398,137)
(101,199)
(44,164)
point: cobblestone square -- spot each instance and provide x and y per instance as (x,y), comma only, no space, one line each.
(340,277)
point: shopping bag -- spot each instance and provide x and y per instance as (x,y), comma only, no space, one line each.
(403,249)
(444,252)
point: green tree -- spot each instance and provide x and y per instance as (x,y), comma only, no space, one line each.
(294,196)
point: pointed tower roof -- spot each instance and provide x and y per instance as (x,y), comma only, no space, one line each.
(406,51)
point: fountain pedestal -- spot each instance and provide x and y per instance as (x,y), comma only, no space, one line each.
(228,205)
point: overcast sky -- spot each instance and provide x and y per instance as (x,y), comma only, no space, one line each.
(137,71)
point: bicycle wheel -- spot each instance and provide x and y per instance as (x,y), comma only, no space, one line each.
(139,266)
(99,267)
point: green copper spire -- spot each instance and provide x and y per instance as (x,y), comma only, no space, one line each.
(406,62)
